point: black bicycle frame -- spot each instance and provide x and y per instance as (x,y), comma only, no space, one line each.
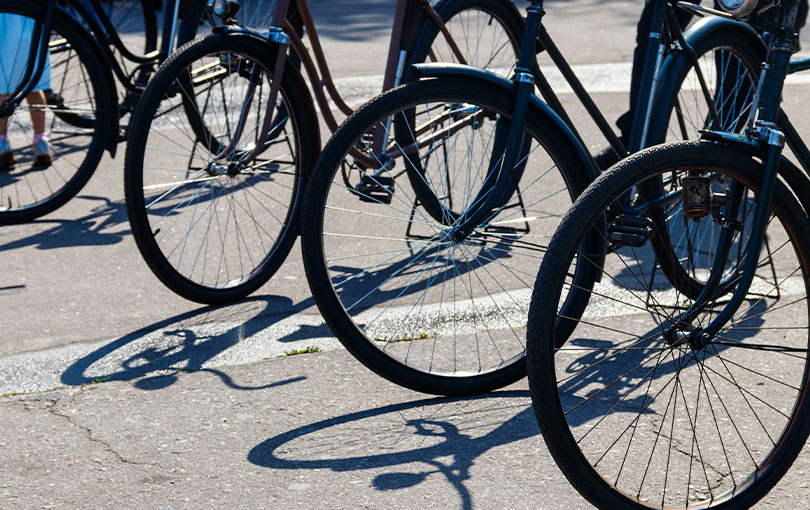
(526,62)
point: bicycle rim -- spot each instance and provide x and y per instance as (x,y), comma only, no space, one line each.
(634,415)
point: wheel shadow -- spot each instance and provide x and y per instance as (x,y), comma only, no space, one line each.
(412,441)
(102,227)
(610,377)
(153,355)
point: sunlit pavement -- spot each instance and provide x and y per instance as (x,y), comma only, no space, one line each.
(117,392)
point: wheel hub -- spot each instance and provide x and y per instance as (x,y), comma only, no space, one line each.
(677,335)
(216,169)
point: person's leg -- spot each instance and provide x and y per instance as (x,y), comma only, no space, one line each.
(38,101)
(643,29)
(43,156)
(608,157)
(3,120)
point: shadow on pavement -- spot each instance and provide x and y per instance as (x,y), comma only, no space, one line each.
(154,354)
(105,225)
(423,438)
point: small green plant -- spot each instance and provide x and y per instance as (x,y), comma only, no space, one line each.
(306,350)
(98,380)
(407,338)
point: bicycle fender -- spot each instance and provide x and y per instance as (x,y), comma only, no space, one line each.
(696,33)
(538,109)
(678,59)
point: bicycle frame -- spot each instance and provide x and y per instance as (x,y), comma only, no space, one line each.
(285,36)
(662,17)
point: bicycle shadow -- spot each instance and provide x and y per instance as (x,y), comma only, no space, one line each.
(427,432)
(188,342)
(99,228)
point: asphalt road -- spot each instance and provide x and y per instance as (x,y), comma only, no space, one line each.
(79,306)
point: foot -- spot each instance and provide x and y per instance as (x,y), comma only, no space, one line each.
(7,160)
(43,155)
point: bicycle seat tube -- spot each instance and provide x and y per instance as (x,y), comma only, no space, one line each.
(491,192)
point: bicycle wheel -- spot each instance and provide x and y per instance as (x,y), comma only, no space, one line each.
(730,65)
(29,186)
(416,307)
(210,227)
(135,22)
(487,32)
(638,418)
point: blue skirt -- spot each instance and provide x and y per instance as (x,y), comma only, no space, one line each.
(15,42)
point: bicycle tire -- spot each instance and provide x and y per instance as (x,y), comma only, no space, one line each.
(358,261)
(28,191)
(607,406)
(496,23)
(125,16)
(731,64)
(157,208)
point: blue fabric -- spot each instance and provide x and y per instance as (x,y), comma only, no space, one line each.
(15,43)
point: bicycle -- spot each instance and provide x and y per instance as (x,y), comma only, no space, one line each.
(215,204)
(655,398)
(82,53)
(428,282)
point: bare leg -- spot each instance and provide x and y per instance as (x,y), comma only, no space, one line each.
(7,160)
(37,114)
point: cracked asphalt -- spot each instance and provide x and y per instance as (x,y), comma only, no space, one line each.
(118,393)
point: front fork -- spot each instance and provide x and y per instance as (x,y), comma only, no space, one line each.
(282,41)
(772,141)
(498,176)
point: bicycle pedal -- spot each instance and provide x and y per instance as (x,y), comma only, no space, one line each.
(628,230)
(375,189)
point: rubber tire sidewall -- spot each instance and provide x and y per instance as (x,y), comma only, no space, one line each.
(302,110)
(540,350)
